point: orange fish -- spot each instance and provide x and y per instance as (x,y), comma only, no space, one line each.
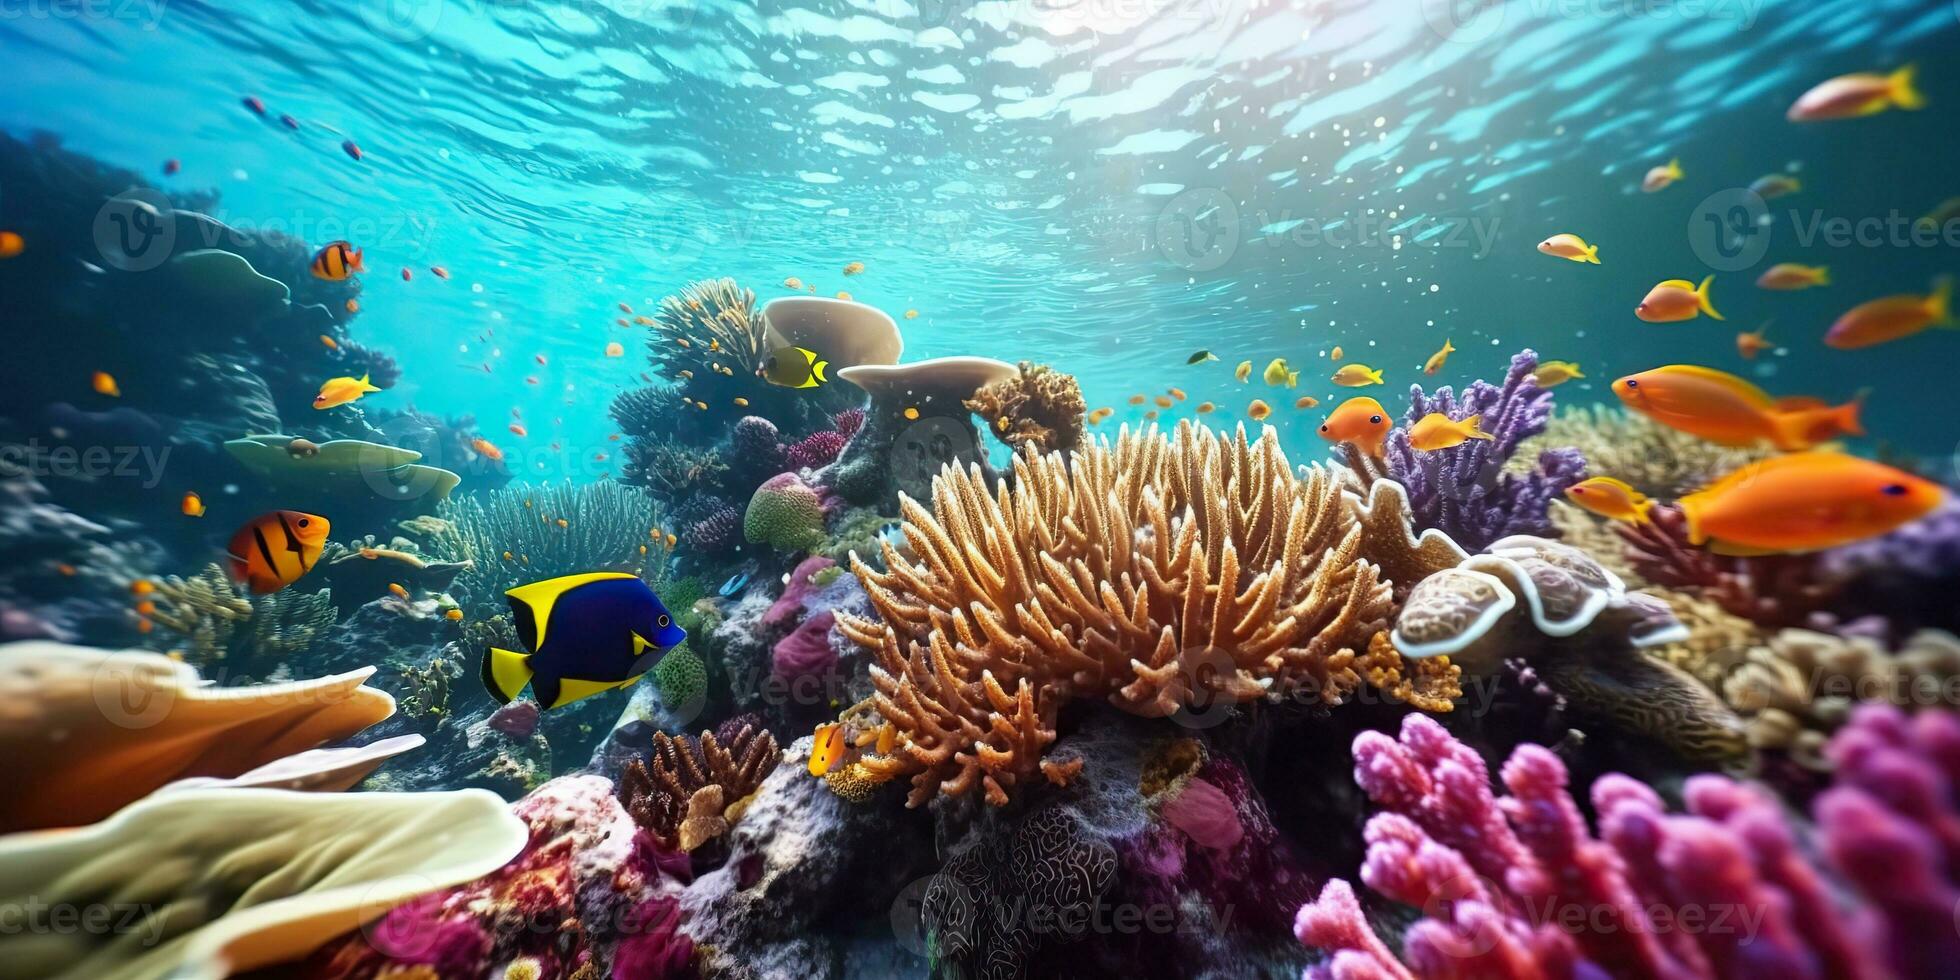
(853,268)
(1805,502)
(353,306)
(1793,275)
(1258,411)
(1609,497)
(1335,355)
(1137,399)
(453,615)
(1436,431)
(615,349)
(1306,401)
(142,586)
(439,272)
(193,505)
(518,430)
(1658,178)
(1206,408)
(1361,422)
(1820,421)
(1751,344)
(336,261)
(329,343)
(1860,94)
(273,550)
(826,748)
(1676,300)
(624,308)
(104,383)
(1893,318)
(396,589)
(485,449)
(11,244)
(1163,401)
(1725,409)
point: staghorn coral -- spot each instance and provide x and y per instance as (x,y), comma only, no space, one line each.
(1464,491)
(785,514)
(1654,459)
(1798,686)
(691,789)
(1519,887)
(525,534)
(1040,407)
(1117,576)
(1770,590)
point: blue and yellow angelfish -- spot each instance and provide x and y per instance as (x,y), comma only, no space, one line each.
(586,633)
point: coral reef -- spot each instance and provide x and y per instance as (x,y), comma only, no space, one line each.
(428,689)
(1652,458)
(1905,577)
(224,624)
(916,424)
(1798,686)
(1118,578)
(527,534)
(786,514)
(88,731)
(1464,491)
(1041,407)
(1047,861)
(217,882)
(1770,590)
(691,789)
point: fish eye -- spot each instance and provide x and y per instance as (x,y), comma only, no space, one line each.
(1632,383)
(304,522)
(664,620)
(1374,420)
(1323,427)
(1894,490)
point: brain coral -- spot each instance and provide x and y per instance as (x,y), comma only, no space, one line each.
(785,513)
(1160,574)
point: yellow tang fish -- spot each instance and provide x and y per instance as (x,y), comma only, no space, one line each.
(341,391)
(1438,431)
(1357,376)
(1277,374)
(1438,359)
(1611,498)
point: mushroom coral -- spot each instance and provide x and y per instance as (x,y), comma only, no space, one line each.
(207,883)
(917,422)
(87,731)
(1161,574)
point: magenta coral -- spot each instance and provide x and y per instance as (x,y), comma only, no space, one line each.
(848,422)
(652,947)
(789,606)
(816,450)
(1519,887)
(806,652)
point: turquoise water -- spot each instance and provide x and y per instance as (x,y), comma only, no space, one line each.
(1104,186)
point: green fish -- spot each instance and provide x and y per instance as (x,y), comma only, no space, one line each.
(1201,357)
(794,367)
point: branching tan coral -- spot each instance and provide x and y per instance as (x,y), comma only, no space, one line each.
(208,610)
(1800,686)
(694,788)
(1656,460)
(1156,573)
(1041,407)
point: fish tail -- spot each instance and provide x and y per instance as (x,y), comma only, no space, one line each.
(1847,414)
(817,369)
(1940,303)
(1691,511)
(1642,512)
(505,672)
(1822,275)
(1471,430)
(1674,168)
(1592,254)
(1376,376)
(1905,94)
(1703,300)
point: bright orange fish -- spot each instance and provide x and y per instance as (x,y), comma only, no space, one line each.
(104,383)
(1676,300)
(273,550)
(1806,502)
(1258,411)
(1360,422)
(11,244)
(828,748)
(1893,318)
(486,449)
(1725,409)
(1751,344)
(193,505)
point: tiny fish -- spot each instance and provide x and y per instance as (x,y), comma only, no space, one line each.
(453,615)
(1551,374)
(1772,186)
(1306,401)
(1276,373)
(351,148)
(1611,498)
(253,103)
(1893,318)
(1751,344)
(1177,393)
(1199,357)
(142,586)
(853,268)
(1357,376)
(352,306)
(1438,359)
(407,274)
(1569,246)
(1437,431)
(171,167)
(1793,275)
(1659,178)
(396,589)
(741,402)
(289,122)
(1206,408)
(615,349)
(1136,399)
(1335,355)
(193,505)
(1675,300)
(1859,94)
(1258,411)
(439,272)
(11,244)
(336,261)
(911,314)
(792,283)
(1243,371)
(843,295)
(487,450)
(104,383)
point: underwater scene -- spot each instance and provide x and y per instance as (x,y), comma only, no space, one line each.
(979,489)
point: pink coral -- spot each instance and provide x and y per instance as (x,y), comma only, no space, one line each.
(517,719)
(653,947)
(816,450)
(790,605)
(1206,815)
(806,652)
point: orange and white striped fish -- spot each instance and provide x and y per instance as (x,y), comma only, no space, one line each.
(273,550)
(337,261)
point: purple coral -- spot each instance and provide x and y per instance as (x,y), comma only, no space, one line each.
(848,422)
(1907,577)
(653,947)
(755,445)
(790,605)
(716,532)
(806,651)
(1464,490)
(816,450)
(1519,887)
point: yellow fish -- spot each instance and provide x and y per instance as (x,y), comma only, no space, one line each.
(1438,431)
(1336,355)
(1569,246)
(1277,374)
(1306,401)
(827,748)
(104,383)
(911,314)
(1258,411)
(1243,371)
(1551,374)
(193,504)
(1438,359)
(795,367)
(1357,376)
(853,268)
(1675,300)
(792,283)
(342,391)
(1658,178)
(1859,94)
(1611,498)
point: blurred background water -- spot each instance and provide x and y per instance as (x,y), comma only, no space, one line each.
(1105,185)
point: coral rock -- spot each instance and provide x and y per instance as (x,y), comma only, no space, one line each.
(785,514)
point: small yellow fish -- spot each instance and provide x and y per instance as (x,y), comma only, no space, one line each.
(1163,401)
(911,413)
(104,383)
(193,505)
(911,314)
(1335,354)
(1357,376)
(1137,399)
(1751,344)
(1437,431)
(1438,359)
(1611,498)
(1659,178)
(1306,401)
(453,615)
(741,402)
(1794,275)
(341,391)
(1859,94)
(703,406)
(671,540)
(826,748)
(615,349)
(397,590)
(1551,374)
(843,295)
(1277,374)
(853,268)
(1177,393)
(1569,246)
(329,342)
(1243,371)
(1150,416)
(1258,411)
(564,523)
(1206,408)
(792,283)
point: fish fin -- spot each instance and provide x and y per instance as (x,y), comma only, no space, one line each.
(1674,168)
(1905,94)
(1940,303)
(1592,254)
(1376,376)
(1821,275)
(630,681)
(1474,432)
(1847,413)
(1642,511)
(1447,349)
(1789,432)
(1691,511)
(816,371)
(641,644)
(1702,299)
(572,689)
(505,672)
(1732,550)
(1679,284)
